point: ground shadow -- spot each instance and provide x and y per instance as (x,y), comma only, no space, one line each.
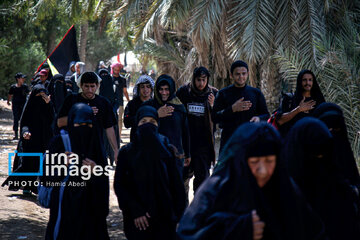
(22,228)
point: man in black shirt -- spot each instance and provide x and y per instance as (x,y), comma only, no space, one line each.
(306,98)
(104,116)
(121,90)
(238,103)
(198,98)
(17,95)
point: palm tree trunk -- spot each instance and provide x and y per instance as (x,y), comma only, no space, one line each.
(83,38)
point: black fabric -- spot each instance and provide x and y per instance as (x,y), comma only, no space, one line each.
(332,115)
(146,111)
(222,206)
(57,91)
(105,117)
(309,152)
(130,116)
(175,127)
(228,120)
(120,84)
(84,209)
(291,102)
(17,111)
(75,88)
(65,52)
(36,118)
(19,94)
(147,181)
(201,127)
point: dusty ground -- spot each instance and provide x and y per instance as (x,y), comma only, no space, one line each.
(20,216)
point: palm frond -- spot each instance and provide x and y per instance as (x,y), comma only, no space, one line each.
(252,28)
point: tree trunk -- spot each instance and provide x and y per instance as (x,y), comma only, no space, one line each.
(270,84)
(83,38)
(50,45)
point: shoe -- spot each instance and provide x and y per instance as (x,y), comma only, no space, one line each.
(15,138)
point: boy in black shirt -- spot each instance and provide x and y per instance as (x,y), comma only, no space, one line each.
(17,95)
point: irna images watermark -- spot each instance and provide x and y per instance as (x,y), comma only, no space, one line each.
(59,164)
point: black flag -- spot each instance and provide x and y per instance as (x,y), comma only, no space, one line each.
(64,53)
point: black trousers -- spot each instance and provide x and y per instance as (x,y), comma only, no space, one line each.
(17,111)
(199,167)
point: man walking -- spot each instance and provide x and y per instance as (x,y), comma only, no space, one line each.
(17,95)
(238,103)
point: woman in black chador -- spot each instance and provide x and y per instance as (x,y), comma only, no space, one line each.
(83,208)
(332,115)
(250,196)
(310,156)
(147,184)
(36,132)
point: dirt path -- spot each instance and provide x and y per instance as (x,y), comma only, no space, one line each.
(20,216)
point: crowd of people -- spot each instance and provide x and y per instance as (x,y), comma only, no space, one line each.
(291,175)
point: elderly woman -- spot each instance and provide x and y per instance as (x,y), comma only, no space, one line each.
(250,195)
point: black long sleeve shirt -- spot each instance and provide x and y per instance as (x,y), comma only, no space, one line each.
(229,120)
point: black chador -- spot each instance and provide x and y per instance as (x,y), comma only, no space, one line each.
(224,204)
(57,91)
(310,156)
(147,183)
(85,201)
(332,115)
(36,119)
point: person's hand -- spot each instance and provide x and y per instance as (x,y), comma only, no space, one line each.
(211,99)
(95,110)
(89,162)
(255,119)
(142,222)
(187,162)
(27,135)
(306,106)
(46,98)
(165,111)
(241,105)
(258,226)
(8,103)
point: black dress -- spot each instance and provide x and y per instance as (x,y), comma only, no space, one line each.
(223,204)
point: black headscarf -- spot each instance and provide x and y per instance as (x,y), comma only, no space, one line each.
(37,117)
(84,139)
(222,206)
(156,183)
(172,100)
(315,89)
(57,90)
(197,73)
(106,86)
(332,115)
(309,152)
